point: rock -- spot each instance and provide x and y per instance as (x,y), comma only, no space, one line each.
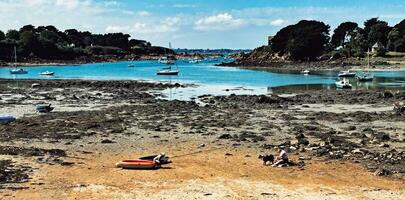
(35,85)
(384,145)
(382,136)
(107,141)
(388,94)
(303,141)
(357,151)
(368,129)
(225,136)
(382,172)
(349,128)
(300,136)
(201,145)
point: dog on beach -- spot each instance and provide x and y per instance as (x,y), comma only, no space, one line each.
(266,159)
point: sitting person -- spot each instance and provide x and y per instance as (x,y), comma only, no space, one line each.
(281,159)
(158,159)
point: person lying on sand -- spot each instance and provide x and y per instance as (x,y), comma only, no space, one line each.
(281,159)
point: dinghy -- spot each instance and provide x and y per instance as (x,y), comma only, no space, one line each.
(347,73)
(305,72)
(343,84)
(47,73)
(137,164)
(7,119)
(44,108)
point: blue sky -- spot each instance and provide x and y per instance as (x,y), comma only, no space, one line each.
(194,24)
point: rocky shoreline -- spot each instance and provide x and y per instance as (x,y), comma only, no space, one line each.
(358,126)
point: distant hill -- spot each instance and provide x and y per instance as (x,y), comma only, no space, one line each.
(211,51)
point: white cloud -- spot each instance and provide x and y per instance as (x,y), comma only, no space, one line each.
(220,22)
(69,4)
(112,3)
(170,24)
(143,13)
(277,22)
(184,6)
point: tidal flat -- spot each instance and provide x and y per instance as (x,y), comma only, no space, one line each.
(346,144)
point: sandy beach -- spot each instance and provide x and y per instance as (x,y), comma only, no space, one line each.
(338,144)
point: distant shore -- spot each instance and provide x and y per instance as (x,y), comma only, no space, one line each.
(315,66)
(33,63)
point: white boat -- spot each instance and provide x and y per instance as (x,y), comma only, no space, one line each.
(168,72)
(20,70)
(47,73)
(365,76)
(347,73)
(194,61)
(305,72)
(169,60)
(131,65)
(343,84)
(166,61)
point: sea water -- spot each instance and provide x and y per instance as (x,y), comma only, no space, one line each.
(205,77)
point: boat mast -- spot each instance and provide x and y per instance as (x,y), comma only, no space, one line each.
(368,58)
(15,56)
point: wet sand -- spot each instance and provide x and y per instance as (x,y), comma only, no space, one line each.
(338,143)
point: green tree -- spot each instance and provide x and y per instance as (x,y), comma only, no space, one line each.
(379,33)
(305,40)
(13,35)
(2,36)
(401,27)
(29,27)
(396,41)
(343,33)
(27,38)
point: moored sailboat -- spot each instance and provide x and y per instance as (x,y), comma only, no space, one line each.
(169,60)
(15,70)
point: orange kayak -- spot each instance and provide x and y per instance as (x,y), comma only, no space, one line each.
(137,164)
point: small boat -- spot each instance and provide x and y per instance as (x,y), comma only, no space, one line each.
(305,72)
(168,72)
(137,164)
(18,71)
(47,73)
(343,84)
(169,60)
(131,65)
(7,119)
(166,61)
(15,70)
(44,108)
(364,77)
(347,73)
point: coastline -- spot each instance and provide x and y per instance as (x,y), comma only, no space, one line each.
(98,60)
(331,135)
(312,66)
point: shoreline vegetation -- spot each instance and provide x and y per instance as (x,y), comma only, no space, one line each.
(46,45)
(309,45)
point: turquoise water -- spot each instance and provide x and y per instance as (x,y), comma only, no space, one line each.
(211,79)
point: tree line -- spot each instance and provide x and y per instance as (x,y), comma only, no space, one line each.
(311,40)
(47,42)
